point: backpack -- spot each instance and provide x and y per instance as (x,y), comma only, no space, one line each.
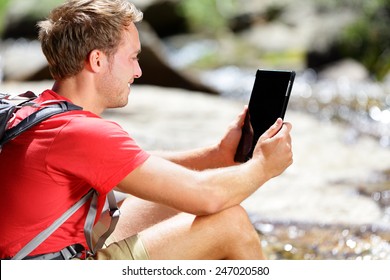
(8,107)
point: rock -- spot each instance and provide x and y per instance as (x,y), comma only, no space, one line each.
(165,18)
(317,59)
(346,68)
(22,28)
(157,70)
(22,58)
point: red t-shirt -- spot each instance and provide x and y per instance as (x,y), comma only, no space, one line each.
(48,168)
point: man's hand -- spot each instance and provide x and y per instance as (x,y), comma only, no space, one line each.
(273,149)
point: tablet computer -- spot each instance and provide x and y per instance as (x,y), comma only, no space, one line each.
(268,101)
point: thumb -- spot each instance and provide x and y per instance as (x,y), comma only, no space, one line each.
(241,117)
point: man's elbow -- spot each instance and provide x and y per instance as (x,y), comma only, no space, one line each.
(211,203)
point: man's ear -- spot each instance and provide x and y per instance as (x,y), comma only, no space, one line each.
(96,60)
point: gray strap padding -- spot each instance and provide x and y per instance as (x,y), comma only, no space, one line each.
(29,247)
(89,221)
(37,117)
(114,213)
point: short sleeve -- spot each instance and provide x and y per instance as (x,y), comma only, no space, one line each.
(95,151)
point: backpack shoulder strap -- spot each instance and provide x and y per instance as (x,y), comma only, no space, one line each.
(29,247)
(89,221)
(88,226)
(36,117)
(9,105)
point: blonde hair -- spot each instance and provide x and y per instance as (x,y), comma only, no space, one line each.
(77,27)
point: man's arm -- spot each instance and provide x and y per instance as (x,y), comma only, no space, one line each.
(211,190)
(218,155)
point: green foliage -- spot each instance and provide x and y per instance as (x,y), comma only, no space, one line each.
(3,11)
(368,39)
(208,16)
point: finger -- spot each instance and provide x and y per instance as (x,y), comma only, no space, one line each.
(242,115)
(273,129)
(288,125)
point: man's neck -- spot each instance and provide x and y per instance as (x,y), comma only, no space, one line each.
(79,93)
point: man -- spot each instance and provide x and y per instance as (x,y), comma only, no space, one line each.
(183,205)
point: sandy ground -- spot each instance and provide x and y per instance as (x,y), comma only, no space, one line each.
(309,191)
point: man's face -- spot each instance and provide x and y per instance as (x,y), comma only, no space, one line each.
(123,68)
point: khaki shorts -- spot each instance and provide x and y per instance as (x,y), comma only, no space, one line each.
(130,248)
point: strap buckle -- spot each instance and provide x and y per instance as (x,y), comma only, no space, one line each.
(116,212)
(72,251)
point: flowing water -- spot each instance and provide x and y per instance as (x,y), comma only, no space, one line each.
(308,241)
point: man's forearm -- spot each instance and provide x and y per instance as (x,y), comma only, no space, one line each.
(197,159)
(196,192)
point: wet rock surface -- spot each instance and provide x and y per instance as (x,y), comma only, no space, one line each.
(311,241)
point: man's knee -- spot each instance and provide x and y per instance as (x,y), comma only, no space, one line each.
(236,220)
(238,228)
(235,214)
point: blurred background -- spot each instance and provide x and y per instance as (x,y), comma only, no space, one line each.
(340,50)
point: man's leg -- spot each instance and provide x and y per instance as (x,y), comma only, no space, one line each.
(228,234)
(166,235)
(137,215)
